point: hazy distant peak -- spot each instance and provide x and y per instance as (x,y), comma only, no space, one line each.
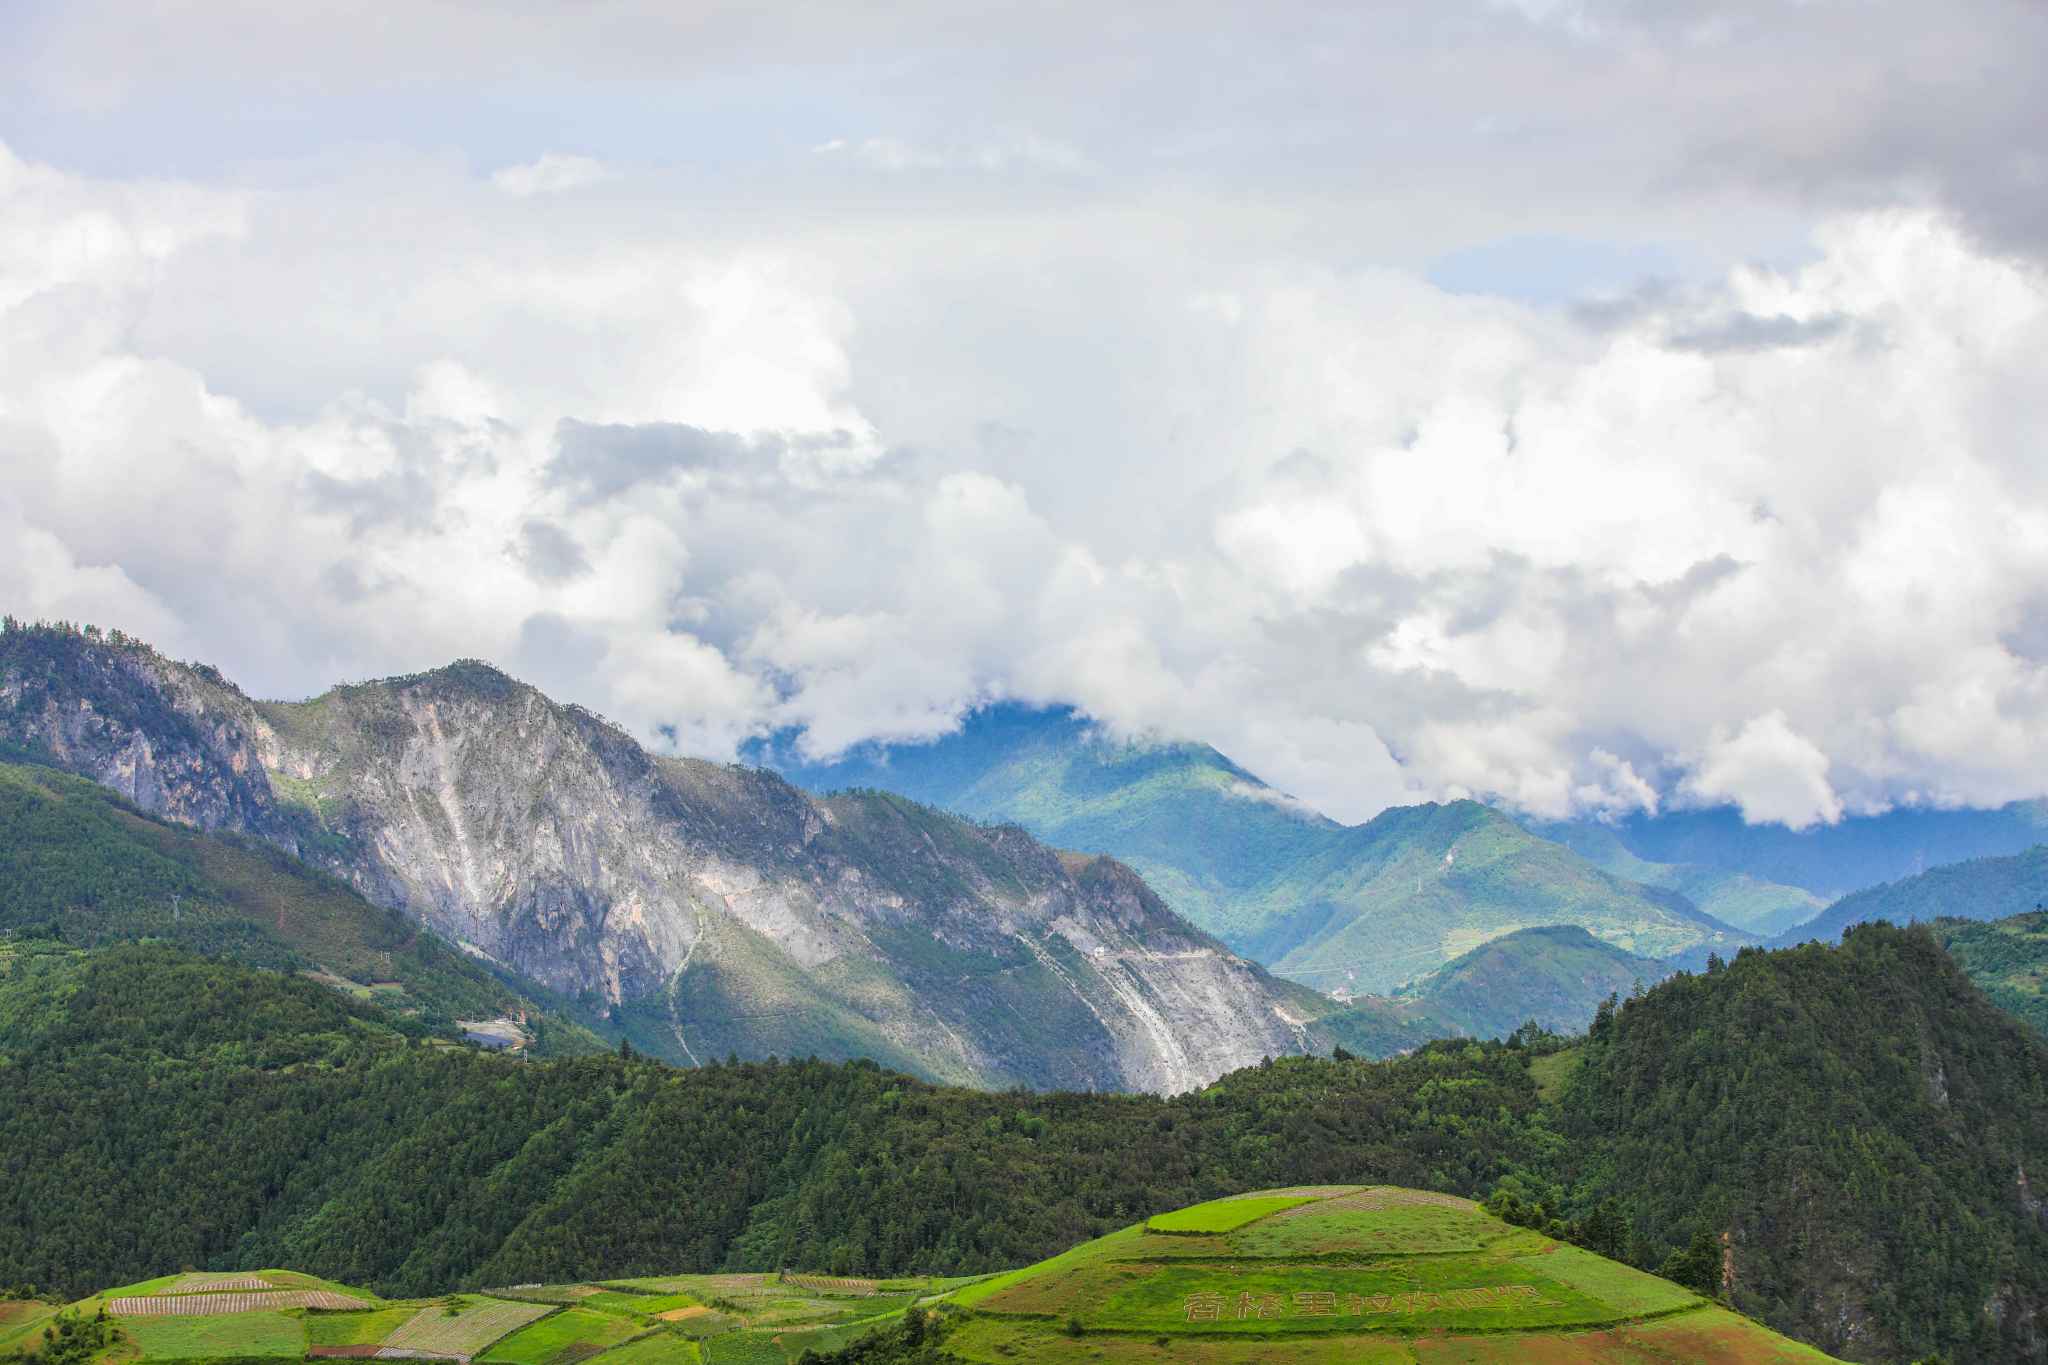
(1254,790)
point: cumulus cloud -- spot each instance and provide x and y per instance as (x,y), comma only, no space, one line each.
(551,174)
(1136,392)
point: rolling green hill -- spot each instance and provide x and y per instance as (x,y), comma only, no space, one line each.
(1980,889)
(1556,976)
(82,865)
(1347,1273)
(1389,901)
(1364,908)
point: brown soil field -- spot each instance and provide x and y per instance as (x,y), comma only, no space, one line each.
(269,1301)
(201,1282)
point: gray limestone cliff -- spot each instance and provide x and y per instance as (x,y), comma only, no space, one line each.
(703,908)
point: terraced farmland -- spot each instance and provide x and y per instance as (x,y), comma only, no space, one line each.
(570,1335)
(356,1329)
(200,1305)
(173,1337)
(1347,1274)
(465,1334)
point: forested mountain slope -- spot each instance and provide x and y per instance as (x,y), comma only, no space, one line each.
(1862,1124)
(1980,889)
(1363,908)
(85,865)
(1557,976)
(700,908)
(1864,1128)
(1749,903)
(2007,957)
(158,1109)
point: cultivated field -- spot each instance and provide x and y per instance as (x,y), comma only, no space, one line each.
(568,1336)
(996,1341)
(1373,1276)
(745,1348)
(18,1320)
(1338,1226)
(357,1329)
(233,1334)
(203,1305)
(476,1326)
(196,1281)
(657,1348)
(1712,1336)
(826,1282)
(1221,1216)
(1632,1293)
(1381,1197)
(1294,1192)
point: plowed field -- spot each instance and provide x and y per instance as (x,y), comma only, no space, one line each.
(467,1333)
(202,1304)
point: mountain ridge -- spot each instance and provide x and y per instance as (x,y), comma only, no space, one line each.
(545,838)
(1976,889)
(1357,909)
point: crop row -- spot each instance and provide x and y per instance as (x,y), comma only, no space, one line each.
(204,1304)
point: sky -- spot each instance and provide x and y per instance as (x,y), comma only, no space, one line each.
(1584,405)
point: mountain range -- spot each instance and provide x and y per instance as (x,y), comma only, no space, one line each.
(1346,909)
(698,908)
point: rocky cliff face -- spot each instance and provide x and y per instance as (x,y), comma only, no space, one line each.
(704,908)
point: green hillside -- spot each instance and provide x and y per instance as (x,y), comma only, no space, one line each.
(256,1316)
(1857,1129)
(80,865)
(1556,976)
(1750,903)
(1980,889)
(1865,1127)
(1347,1273)
(1389,901)
(2007,957)
(1361,909)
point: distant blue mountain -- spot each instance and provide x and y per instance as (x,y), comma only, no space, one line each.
(1978,889)
(1358,909)
(1832,860)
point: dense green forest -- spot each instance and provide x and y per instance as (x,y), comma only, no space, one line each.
(1864,1127)
(158,1109)
(1858,1121)
(81,860)
(2007,957)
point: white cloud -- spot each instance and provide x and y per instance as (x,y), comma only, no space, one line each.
(948,355)
(551,174)
(1774,774)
